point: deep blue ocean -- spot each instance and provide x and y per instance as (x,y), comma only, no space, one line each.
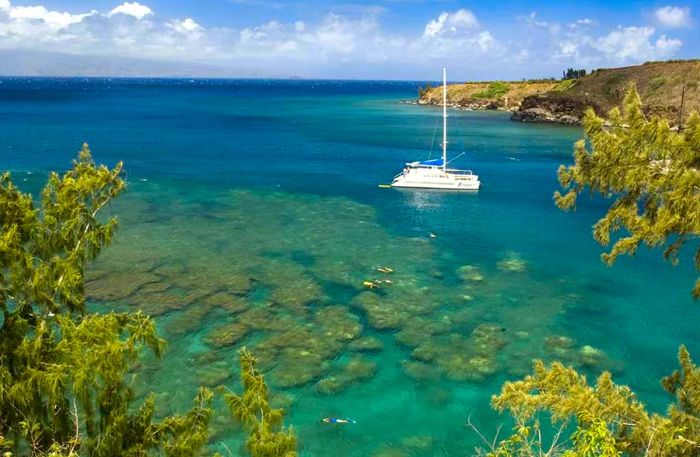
(252,218)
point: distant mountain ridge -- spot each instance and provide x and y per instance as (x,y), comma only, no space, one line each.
(17,62)
(660,85)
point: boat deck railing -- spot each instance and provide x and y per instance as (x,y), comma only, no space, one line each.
(459,172)
(453,171)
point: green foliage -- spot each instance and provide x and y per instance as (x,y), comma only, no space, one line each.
(607,419)
(43,251)
(649,170)
(495,90)
(267,435)
(565,85)
(539,80)
(650,62)
(63,389)
(423,90)
(656,82)
(570,73)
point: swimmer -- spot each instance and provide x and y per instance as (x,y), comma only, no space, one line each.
(370,284)
(335,420)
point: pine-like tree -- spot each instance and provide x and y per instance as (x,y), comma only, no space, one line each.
(603,420)
(267,435)
(63,389)
(651,172)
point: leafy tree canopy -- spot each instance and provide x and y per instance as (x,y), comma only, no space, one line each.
(604,419)
(650,171)
(267,436)
(63,388)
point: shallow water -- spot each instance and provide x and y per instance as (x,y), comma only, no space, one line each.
(253,217)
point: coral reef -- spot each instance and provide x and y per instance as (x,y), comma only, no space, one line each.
(118,285)
(470,273)
(459,367)
(419,371)
(291,291)
(419,442)
(338,323)
(366,344)
(227,335)
(233,304)
(356,370)
(513,262)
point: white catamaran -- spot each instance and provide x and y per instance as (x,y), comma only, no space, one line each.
(434,174)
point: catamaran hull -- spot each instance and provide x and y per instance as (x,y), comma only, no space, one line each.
(434,179)
(425,186)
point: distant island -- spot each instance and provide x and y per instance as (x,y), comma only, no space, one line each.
(660,84)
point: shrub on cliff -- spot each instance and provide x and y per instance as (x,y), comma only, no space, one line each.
(495,90)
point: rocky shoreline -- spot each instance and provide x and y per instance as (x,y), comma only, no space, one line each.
(464,106)
(663,86)
(551,110)
(534,109)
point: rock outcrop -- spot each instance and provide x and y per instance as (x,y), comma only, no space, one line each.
(551,109)
(661,86)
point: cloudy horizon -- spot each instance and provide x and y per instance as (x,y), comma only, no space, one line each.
(392,39)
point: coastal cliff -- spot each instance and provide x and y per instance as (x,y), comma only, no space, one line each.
(552,108)
(660,84)
(485,95)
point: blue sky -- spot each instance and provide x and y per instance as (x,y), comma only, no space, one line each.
(380,39)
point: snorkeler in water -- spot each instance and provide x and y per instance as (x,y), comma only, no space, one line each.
(335,420)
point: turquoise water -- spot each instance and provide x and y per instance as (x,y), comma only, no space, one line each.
(253,217)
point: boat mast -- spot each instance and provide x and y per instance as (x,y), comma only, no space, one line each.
(444,119)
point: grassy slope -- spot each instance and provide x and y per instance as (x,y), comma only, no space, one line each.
(659,84)
(466,93)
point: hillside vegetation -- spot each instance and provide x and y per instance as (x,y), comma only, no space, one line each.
(486,95)
(660,85)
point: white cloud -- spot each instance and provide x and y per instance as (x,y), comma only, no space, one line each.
(336,44)
(585,22)
(532,19)
(450,22)
(52,19)
(635,44)
(667,47)
(578,44)
(552,27)
(186,27)
(485,41)
(673,16)
(134,9)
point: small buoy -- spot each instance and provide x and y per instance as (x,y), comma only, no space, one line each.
(432,235)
